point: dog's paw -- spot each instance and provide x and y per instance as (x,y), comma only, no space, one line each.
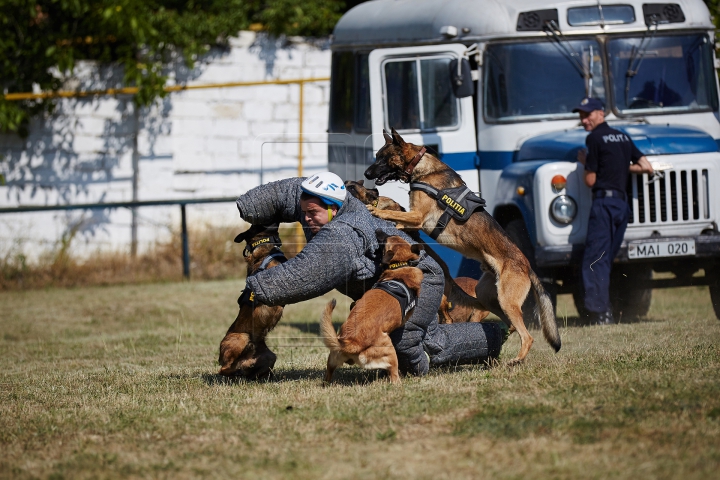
(372,209)
(515,362)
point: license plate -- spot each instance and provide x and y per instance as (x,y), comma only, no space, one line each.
(661,248)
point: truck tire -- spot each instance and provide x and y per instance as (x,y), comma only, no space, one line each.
(626,302)
(715,299)
(517,231)
(579,299)
(714,277)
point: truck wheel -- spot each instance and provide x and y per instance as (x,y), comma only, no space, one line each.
(519,235)
(628,302)
(579,299)
(714,291)
(715,299)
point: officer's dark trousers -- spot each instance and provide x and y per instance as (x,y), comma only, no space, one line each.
(606,229)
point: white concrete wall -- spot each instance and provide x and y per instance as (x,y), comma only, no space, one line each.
(200,143)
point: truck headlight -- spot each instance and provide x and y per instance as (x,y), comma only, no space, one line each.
(563,209)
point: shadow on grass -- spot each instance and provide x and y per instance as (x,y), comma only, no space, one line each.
(585,322)
(344,376)
(313,328)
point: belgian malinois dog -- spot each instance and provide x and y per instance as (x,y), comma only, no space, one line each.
(456,305)
(243,351)
(459,312)
(364,338)
(508,277)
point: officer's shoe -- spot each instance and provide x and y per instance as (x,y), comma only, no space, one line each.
(601,318)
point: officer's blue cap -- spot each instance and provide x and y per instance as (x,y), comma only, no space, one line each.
(588,105)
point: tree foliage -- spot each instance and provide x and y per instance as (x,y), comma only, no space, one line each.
(714,7)
(42,40)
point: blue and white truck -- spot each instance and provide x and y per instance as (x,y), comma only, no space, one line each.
(490,86)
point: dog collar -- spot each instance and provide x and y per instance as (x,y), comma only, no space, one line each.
(411,166)
(374,203)
(396,265)
(250,247)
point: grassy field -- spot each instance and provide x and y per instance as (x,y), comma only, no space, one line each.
(108,382)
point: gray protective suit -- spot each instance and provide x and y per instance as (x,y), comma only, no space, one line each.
(343,255)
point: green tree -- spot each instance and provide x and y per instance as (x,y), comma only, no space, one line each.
(43,39)
(714,6)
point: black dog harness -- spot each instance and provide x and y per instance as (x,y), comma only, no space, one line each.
(399,290)
(401,293)
(459,203)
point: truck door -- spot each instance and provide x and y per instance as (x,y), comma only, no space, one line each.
(411,91)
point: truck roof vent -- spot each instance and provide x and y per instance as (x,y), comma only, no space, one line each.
(658,13)
(536,20)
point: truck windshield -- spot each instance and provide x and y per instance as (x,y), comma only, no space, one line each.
(540,79)
(671,73)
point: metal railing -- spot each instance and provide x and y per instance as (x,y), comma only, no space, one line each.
(147,203)
(183,202)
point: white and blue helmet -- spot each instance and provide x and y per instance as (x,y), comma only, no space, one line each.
(327,186)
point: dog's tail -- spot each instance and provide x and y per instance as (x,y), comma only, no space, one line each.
(545,313)
(458,297)
(327,331)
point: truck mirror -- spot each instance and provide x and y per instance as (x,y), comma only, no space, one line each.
(461,78)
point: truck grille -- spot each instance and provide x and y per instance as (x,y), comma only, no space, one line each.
(681,196)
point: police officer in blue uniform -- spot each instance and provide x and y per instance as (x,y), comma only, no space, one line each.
(610,157)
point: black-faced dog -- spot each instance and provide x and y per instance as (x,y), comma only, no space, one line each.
(243,351)
(436,191)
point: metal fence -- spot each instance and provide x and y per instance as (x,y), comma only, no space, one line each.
(132,205)
(182,202)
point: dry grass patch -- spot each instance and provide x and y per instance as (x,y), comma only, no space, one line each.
(213,256)
(121,381)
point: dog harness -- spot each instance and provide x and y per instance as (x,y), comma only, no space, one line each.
(459,203)
(399,290)
(401,293)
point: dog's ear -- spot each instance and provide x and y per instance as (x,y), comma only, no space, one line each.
(244,236)
(361,182)
(397,138)
(381,236)
(388,138)
(416,248)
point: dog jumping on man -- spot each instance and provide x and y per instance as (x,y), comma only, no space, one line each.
(456,305)
(508,276)
(243,351)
